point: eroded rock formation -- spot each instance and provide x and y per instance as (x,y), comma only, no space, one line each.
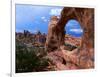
(52,39)
(56,35)
(56,31)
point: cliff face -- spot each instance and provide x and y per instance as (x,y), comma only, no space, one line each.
(56,31)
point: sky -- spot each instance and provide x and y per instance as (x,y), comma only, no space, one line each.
(36,18)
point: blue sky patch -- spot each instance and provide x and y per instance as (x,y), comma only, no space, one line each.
(34,18)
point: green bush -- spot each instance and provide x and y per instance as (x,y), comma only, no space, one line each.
(27,59)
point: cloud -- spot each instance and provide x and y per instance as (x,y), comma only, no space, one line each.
(44,19)
(19,30)
(35,31)
(55,11)
(76,30)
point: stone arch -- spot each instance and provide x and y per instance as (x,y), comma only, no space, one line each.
(56,33)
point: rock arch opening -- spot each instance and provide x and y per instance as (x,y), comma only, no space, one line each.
(74,28)
(83,56)
(56,31)
(73,35)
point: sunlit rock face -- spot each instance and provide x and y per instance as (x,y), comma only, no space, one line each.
(51,42)
(56,30)
(84,56)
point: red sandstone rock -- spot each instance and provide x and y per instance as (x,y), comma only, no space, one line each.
(56,38)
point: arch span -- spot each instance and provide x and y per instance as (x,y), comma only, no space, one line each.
(56,30)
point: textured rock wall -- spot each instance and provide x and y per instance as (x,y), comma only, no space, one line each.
(51,42)
(56,31)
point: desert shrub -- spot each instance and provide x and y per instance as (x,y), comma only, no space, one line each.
(27,59)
